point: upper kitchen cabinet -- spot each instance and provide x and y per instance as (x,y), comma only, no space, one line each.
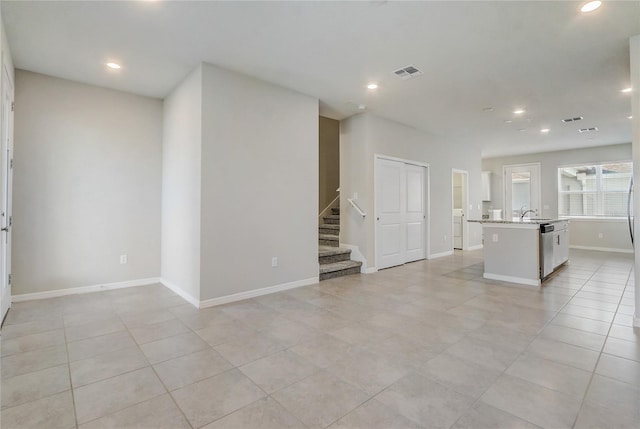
(486,186)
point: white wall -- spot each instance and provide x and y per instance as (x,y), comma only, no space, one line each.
(181,186)
(87,172)
(582,233)
(6,52)
(364,136)
(259,184)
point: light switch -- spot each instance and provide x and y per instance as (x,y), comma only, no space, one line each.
(494,238)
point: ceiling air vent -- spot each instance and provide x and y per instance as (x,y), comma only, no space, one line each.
(407,72)
(588,130)
(578,118)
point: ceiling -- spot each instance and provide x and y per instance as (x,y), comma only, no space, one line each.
(544,57)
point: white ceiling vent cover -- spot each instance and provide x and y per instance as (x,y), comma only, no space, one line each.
(577,118)
(587,130)
(408,72)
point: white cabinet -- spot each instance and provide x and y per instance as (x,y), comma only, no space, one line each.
(560,244)
(486,186)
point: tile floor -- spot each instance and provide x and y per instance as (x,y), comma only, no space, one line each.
(430,344)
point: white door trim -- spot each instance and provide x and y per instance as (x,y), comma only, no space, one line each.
(507,211)
(6,185)
(427,189)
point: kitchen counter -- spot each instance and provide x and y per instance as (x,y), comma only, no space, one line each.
(514,250)
(517,221)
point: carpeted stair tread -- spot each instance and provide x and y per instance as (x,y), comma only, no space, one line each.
(330,226)
(331,251)
(328,237)
(339,266)
(332,219)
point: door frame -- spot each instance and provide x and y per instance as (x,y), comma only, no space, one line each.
(507,211)
(427,199)
(6,184)
(465,204)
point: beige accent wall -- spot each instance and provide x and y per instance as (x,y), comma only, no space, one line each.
(329,145)
(87,174)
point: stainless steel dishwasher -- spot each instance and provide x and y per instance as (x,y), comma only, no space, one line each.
(546,249)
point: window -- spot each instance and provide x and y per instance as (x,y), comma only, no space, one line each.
(594,190)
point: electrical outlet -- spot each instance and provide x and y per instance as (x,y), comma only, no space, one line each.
(123,259)
(494,238)
(600,235)
(355,196)
(274,262)
(444,238)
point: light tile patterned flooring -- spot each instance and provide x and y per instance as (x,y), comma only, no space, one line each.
(430,344)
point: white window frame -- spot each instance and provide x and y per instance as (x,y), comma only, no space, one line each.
(599,192)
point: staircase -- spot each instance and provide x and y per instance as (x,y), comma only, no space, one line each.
(334,261)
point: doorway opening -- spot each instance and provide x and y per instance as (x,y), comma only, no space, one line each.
(522,191)
(460,202)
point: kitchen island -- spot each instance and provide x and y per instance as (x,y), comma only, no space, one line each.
(524,251)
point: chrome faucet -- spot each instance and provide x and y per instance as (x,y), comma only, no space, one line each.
(524,213)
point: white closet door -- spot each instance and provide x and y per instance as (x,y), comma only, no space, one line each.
(400,221)
(390,184)
(414,214)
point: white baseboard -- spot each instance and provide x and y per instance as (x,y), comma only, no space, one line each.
(601,249)
(510,279)
(440,255)
(257,292)
(83,289)
(356,255)
(178,291)
(476,247)
(370,270)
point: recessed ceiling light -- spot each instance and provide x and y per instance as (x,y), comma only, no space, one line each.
(372,86)
(114,66)
(362,106)
(626,90)
(508,121)
(545,130)
(629,117)
(522,129)
(591,6)
(487,109)
(518,111)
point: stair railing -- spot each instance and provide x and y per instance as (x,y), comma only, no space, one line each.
(331,204)
(358,209)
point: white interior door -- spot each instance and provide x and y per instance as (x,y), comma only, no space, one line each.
(5,192)
(400,213)
(414,220)
(390,198)
(522,190)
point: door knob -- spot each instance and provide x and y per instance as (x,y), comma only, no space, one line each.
(5,229)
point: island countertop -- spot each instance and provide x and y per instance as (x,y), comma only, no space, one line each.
(517,221)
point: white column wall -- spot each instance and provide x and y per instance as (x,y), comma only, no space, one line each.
(259,186)
(635,109)
(181,188)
